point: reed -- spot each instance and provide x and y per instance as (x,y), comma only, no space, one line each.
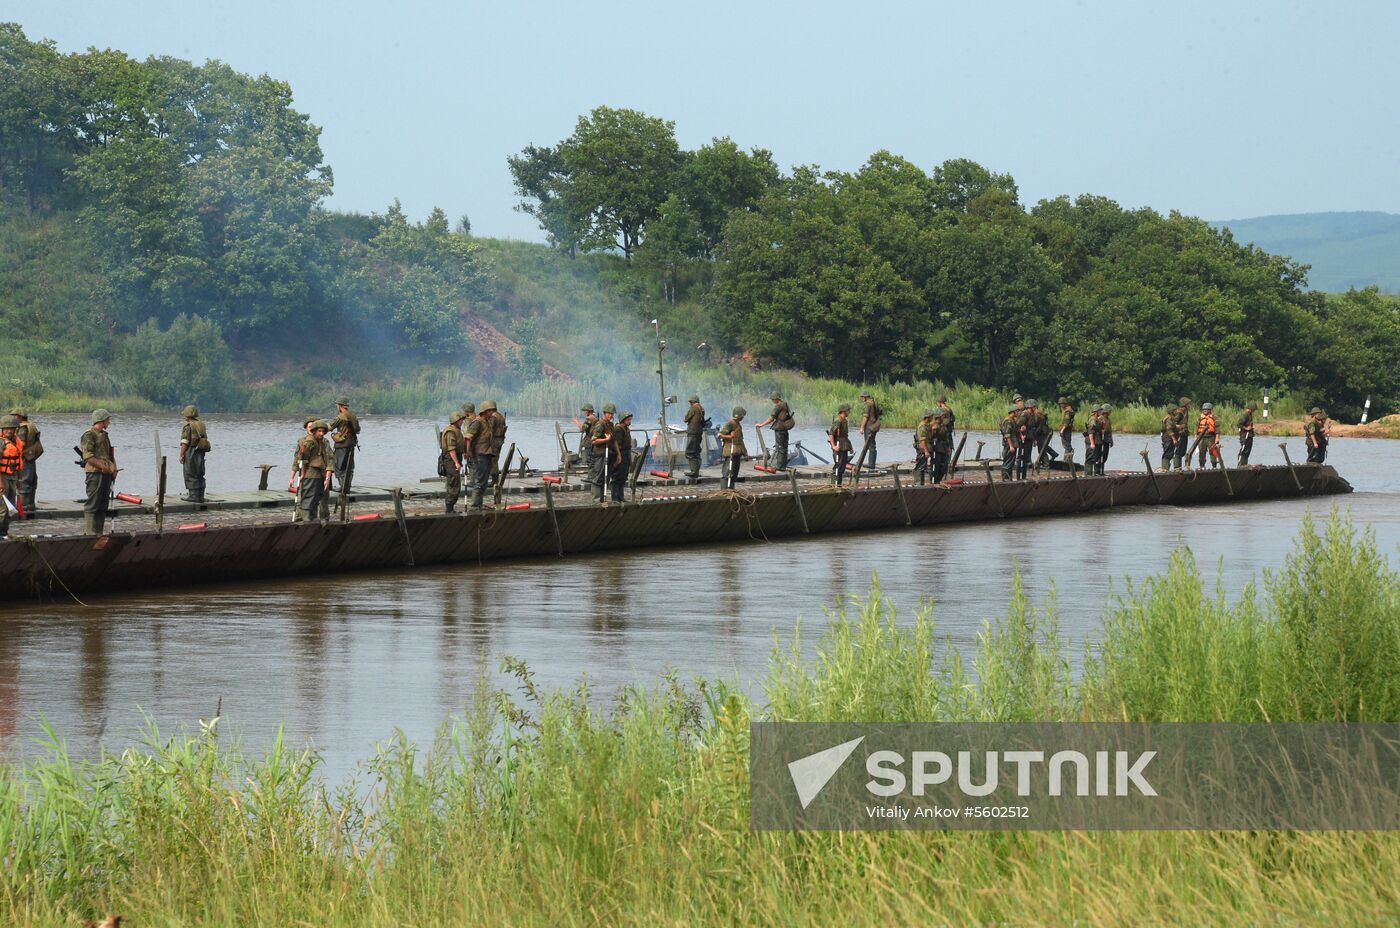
(544,809)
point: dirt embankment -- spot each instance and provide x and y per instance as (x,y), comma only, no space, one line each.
(1386,427)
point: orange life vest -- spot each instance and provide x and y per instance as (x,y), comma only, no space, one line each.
(1207,424)
(12,457)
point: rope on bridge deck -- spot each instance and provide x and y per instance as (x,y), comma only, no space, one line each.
(29,540)
(745,502)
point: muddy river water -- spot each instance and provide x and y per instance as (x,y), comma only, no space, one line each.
(343,661)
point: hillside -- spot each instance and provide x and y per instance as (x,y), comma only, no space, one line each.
(1345,250)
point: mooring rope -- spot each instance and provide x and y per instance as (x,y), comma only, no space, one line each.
(29,540)
(745,502)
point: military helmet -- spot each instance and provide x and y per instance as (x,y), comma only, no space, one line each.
(488,406)
(1018,398)
(20,412)
(469,408)
(928,414)
(865,394)
(1184,401)
(1206,407)
(626,414)
(693,399)
(776,396)
(456,417)
(9,422)
(1035,404)
(1011,408)
(609,407)
(1315,410)
(1098,407)
(586,407)
(1106,408)
(321,424)
(942,398)
(190,412)
(844,407)
(308,420)
(342,401)
(100,415)
(739,412)
(1063,401)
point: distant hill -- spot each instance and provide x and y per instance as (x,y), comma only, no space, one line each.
(1345,249)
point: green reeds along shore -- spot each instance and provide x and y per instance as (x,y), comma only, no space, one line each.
(544,809)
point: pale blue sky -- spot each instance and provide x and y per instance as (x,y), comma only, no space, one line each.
(1224,110)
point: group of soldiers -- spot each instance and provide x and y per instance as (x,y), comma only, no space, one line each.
(606,451)
(470,446)
(315,460)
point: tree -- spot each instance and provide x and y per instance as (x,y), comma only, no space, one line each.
(1355,356)
(674,237)
(600,187)
(719,178)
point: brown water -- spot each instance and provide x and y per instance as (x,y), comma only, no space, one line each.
(345,660)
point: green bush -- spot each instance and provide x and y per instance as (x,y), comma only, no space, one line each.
(186,363)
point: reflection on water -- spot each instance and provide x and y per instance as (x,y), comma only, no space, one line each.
(344,660)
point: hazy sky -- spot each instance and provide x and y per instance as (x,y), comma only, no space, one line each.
(1223,110)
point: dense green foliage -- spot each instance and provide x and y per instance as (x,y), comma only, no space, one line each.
(543,809)
(160,210)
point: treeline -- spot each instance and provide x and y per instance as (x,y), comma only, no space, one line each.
(894,271)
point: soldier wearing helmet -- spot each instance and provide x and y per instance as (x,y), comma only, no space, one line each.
(604,451)
(923,447)
(1208,438)
(1245,424)
(99,469)
(781,421)
(622,451)
(1315,435)
(731,438)
(869,425)
(194,444)
(11,463)
(478,438)
(1106,432)
(314,459)
(1010,429)
(585,447)
(1182,432)
(452,449)
(694,437)
(839,438)
(28,434)
(345,437)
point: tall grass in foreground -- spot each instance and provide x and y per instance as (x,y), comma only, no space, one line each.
(544,810)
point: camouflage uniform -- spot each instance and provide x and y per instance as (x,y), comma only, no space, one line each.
(11,465)
(694,437)
(100,469)
(28,433)
(781,421)
(316,457)
(839,438)
(870,426)
(1168,437)
(923,448)
(1010,429)
(345,436)
(1066,425)
(1183,412)
(450,443)
(1315,435)
(622,455)
(1209,440)
(194,444)
(731,437)
(941,441)
(1245,424)
(601,439)
(1106,430)
(1097,440)
(477,437)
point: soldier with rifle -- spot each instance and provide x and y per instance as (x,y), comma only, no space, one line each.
(622,456)
(694,438)
(941,444)
(1032,426)
(478,439)
(923,447)
(838,437)
(1010,428)
(731,438)
(99,460)
(1245,424)
(1315,435)
(945,412)
(498,440)
(600,437)
(345,435)
(1181,428)
(452,446)
(28,434)
(782,422)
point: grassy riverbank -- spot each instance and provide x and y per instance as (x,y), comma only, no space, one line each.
(541,809)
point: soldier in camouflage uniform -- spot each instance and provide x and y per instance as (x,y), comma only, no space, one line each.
(194,444)
(1106,428)
(622,455)
(694,437)
(1010,428)
(731,438)
(1168,437)
(452,448)
(1245,424)
(945,412)
(477,438)
(1182,429)
(1092,445)
(923,447)
(28,434)
(839,438)
(781,421)
(600,438)
(99,469)
(11,465)
(1098,448)
(498,441)
(585,445)
(869,426)
(1066,425)
(1315,435)
(941,442)
(345,436)
(1032,430)
(315,458)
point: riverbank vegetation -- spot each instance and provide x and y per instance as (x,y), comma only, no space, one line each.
(542,808)
(164,239)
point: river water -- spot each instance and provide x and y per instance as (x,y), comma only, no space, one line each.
(343,661)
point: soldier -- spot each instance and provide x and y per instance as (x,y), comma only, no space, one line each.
(1106,415)
(839,438)
(1032,427)
(315,460)
(622,459)
(694,437)
(1208,440)
(1066,425)
(1182,429)
(1168,437)
(498,441)
(28,434)
(601,439)
(11,465)
(585,445)
(731,437)
(1315,434)
(1245,423)
(1092,443)
(941,443)
(452,447)
(345,435)
(194,444)
(99,469)
(945,412)
(923,447)
(1010,431)
(478,440)
(782,422)
(869,426)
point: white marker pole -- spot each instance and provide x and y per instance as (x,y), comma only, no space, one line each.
(1266,402)
(1366,410)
